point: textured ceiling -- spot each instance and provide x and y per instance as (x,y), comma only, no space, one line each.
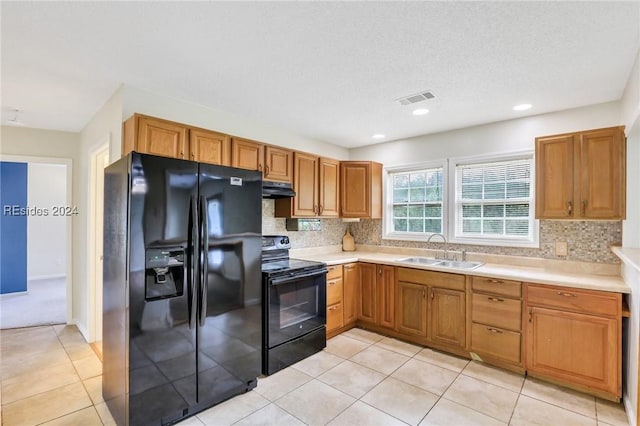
(329,71)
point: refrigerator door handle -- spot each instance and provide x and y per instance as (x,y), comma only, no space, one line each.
(204,256)
(192,267)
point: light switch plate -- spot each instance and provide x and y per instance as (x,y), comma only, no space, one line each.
(562,248)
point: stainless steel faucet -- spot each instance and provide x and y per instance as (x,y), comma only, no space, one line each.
(446,244)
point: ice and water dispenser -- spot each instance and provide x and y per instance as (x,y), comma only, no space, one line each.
(164,273)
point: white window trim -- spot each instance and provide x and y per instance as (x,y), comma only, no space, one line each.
(503,241)
(387,216)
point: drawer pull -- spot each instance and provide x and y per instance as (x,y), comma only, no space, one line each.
(561,293)
(496,281)
(494,330)
(333,308)
(495,299)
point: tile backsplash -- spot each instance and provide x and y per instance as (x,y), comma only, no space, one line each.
(588,241)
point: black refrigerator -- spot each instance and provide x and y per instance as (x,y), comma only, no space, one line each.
(182,311)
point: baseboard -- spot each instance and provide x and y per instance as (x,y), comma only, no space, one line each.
(82,328)
(630,409)
(45,277)
(15,293)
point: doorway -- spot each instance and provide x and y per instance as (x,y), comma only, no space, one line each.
(99,160)
(35,287)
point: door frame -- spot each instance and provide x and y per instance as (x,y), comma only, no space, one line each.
(94,310)
(68,162)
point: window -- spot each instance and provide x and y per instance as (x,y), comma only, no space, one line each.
(494,202)
(484,200)
(416,201)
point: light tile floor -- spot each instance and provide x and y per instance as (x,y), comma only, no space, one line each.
(51,376)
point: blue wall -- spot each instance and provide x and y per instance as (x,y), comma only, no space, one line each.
(13,228)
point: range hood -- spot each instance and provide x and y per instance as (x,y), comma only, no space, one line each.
(277,190)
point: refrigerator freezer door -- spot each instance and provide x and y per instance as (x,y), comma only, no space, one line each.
(231,331)
(162,347)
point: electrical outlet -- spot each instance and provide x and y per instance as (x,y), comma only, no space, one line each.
(562,248)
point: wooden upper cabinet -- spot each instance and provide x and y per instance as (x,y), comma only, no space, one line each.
(554,172)
(361,189)
(150,135)
(278,164)
(305,184)
(329,187)
(581,175)
(246,154)
(209,147)
(602,174)
(316,183)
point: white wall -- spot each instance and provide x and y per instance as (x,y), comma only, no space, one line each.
(46,234)
(631,347)
(631,118)
(504,136)
(104,127)
(144,102)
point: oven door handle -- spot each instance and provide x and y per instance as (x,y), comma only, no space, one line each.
(293,278)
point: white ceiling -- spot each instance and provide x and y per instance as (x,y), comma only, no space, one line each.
(328,71)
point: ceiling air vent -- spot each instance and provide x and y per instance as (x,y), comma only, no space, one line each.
(418,97)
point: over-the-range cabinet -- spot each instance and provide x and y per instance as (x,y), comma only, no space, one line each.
(182,287)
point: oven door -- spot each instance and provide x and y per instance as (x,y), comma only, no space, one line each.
(297,305)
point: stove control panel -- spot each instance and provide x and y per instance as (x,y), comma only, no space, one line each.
(275,242)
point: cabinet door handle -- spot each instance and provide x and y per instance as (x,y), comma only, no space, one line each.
(260,167)
(495,299)
(321,209)
(423,294)
(432,294)
(494,330)
(530,315)
(315,209)
(570,207)
(561,293)
(584,206)
(494,281)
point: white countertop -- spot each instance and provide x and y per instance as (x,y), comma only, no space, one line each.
(541,275)
(630,256)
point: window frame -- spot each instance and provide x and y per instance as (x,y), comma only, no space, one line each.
(387,216)
(453,202)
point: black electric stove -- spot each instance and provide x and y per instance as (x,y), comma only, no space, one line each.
(295,305)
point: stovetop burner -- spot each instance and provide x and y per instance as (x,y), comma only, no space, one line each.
(275,257)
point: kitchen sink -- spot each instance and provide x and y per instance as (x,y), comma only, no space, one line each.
(443,263)
(460,264)
(420,260)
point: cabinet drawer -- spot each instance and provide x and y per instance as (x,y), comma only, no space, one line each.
(495,342)
(431,278)
(334,291)
(496,311)
(334,271)
(575,300)
(334,316)
(497,286)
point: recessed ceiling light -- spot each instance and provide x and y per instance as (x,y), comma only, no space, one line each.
(378,136)
(420,111)
(522,107)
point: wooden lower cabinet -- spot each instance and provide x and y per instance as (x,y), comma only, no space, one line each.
(412,308)
(386,296)
(448,317)
(334,317)
(367,295)
(350,280)
(569,343)
(431,307)
(496,342)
